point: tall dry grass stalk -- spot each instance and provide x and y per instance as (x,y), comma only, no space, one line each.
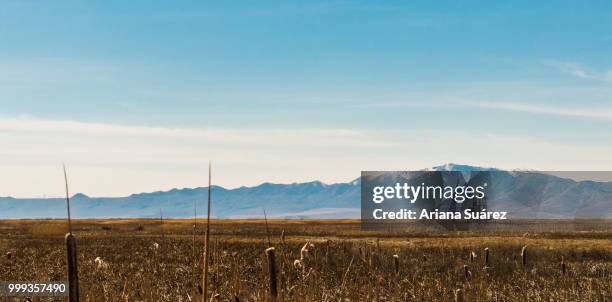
(524,256)
(125,292)
(206,241)
(67,200)
(193,251)
(267,229)
(270,255)
(71,249)
(161,229)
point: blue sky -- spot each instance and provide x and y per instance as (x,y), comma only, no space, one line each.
(139,96)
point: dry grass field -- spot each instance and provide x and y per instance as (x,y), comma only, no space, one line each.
(341,263)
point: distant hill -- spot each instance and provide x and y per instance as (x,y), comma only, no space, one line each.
(299,200)
(524,194)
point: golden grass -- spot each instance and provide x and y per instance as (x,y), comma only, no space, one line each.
(48,229)
(345,262)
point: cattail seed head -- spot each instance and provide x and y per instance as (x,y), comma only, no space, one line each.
(73,275)
(270,254)
(466,272)
(396,262)
(563,269)
(459,295)
(305,250)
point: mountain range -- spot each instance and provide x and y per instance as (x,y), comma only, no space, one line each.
(523,194)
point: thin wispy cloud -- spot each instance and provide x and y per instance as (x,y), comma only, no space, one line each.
(253,136)
(579,70)
(596,113)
